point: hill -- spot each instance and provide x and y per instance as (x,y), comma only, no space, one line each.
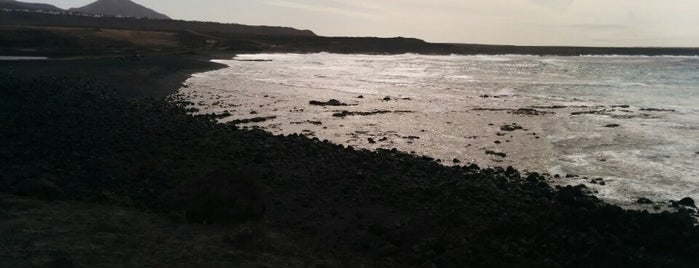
(66,20)
(124,8)
(16,5)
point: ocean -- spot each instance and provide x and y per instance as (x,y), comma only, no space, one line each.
(626,126)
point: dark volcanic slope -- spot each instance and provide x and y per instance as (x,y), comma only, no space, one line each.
(124,8)
(38,19)
(16,5)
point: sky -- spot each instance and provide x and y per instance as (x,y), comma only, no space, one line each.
(669,23)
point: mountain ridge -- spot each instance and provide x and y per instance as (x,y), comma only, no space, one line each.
(125,8)
(17,5)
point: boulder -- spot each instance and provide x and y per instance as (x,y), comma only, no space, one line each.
(38,188)
(687,202)
(512,127)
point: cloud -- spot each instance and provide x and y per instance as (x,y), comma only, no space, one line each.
(321,8)
(592,26)
(554,4)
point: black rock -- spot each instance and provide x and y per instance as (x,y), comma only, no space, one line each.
(386,98)
(372,141)
(644,201)
(360,97)
(512,127)
(222,196)
(39,188)
(534,177)
(331,102)
(503,155)
(510,170)
(456,161)
(61,262)
(612,125)
(687,202)
(473,167)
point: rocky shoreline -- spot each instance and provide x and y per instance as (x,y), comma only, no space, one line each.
(70,139)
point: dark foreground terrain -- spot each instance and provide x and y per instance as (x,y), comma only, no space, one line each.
(90,178)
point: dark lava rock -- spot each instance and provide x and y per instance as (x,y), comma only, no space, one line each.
(503,155)
(331,102)
(511,170)
(599,181)
(657,110)
(360,97)
(456,161)
(39,188)
(61,262)
(372,141)
(348,113)
(644,201)
(386,98)
(612,125)
(219,197)
(687,202)
(534,177)
(529,111)
(251,120)
(512,127)
(576,196)
(473,167)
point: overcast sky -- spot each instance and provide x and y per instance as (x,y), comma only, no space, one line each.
(518,22)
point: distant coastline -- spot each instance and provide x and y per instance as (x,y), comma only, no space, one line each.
(236,38)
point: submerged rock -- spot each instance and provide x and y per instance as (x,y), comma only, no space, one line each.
(644,201)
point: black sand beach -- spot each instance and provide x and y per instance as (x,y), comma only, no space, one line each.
(99,170)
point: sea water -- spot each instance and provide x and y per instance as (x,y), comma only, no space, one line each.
(631,120)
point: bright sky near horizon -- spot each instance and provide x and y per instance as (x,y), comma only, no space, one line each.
(517,22)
